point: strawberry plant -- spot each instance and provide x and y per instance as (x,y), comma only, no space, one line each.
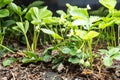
(112,53)
(4,24)
(73,35)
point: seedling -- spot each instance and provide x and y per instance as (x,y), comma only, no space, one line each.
(109,55)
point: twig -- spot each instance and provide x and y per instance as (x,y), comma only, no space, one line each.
(12,75)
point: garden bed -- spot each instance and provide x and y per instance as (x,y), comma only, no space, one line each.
(68,71)
(76,45)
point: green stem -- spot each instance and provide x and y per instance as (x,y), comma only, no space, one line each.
(7,48)
(91,55)
(61,31)
(35,39)
(114,36)
(21,19)
(28,45)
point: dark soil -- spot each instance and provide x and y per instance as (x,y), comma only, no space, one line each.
(43,71)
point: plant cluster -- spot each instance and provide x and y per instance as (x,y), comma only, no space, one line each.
(72,35)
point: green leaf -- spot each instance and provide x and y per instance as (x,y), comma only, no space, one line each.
(81,61)
(66,50)
(80,33)
(61,12)
(74,60)
(116,56)
(113,51)
(23,26)
(26,60)
(81,22)
(45,13)
(87,64)
(53,34)
(48,50)
(94,19)
(46,57)
(110,4)
(8,61)
(36,14)
(8,23)
(26,27)
(75,11)
(103,25)
(36,22)
(36,4)
(4,13)
(7,1)
(29,60)
(16,28)
(90,35)
(15,8)
(103,51)
(30,54)
(51,20)
(58,59)
(116,13)
(47,54)
(47,31)
(3,3)
(107,61)
(56,36)
(73,52)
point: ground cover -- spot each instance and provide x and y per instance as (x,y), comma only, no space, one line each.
(35,45)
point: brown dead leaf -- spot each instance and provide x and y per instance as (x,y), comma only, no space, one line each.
(60,67)
(87,72)
(21,53)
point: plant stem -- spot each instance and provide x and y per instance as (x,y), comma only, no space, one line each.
(28,45)
(35,39)
(91,55)
(7,48)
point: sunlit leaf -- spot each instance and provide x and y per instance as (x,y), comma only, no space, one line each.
(107,61)
(36,15)
(110,4)
(61,12)
(78,22)
(51,20)
(44,12)
(103,25)
(90,35)
(75,11)
(94,19)
(53,34)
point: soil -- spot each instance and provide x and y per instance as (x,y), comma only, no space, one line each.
(43,71)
